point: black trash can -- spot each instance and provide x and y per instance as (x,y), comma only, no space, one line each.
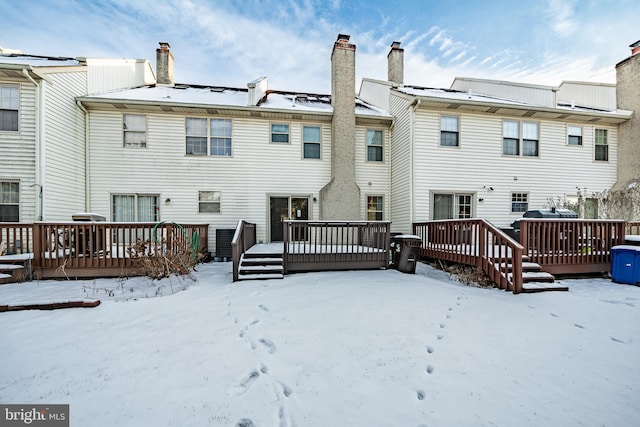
(405,250)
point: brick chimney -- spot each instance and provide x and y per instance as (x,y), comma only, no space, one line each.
(395,61)
(164,65)
(628,98)
(340,198)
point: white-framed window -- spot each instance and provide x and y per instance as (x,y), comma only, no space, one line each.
(9,201)
(134,130)
(211,137)
(311,142)
(209,201)
(452,206)
(9,107)
(512,142)
(601,145)
(135,207)
(220,137)
(280,133)
(519,202)
(375,208)
(449,131)
(574,135)
(375,147)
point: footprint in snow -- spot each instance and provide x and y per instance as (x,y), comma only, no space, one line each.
(430,369)
(245,422)
(442,325)
(264,369)
(440,337)
(617,340)
(420,395)
(579,326)
(429,349)
(286,390)
(268,344)
(554,315)
(263,307)
(246,383)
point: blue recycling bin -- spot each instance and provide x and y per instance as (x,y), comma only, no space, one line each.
(625,264)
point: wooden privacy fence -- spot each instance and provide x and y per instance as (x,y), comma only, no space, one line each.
(17,238)
(569,246)
(243,238)
(103,249)
(474,242)
(335,245)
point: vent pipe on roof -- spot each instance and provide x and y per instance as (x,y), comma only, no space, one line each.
(635,48)
(395,61)
(257,89)
(164,65)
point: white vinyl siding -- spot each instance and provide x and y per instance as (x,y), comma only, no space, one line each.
(373,178)
(165,170)
(64,136)
(479,165)
(19,151)
(400,198)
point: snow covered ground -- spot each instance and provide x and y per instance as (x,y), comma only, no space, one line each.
(375,348)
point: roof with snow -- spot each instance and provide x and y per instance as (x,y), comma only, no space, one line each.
(215,97)
(478,102)
(37,61)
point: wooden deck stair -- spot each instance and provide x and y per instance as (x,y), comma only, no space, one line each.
(535,280)
(10,272)
(261,266)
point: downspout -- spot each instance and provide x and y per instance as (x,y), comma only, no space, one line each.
(38,149)
(414,107)
(87,193)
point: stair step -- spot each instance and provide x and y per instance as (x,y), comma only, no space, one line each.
(260,276)
(11,267)
(5,278)
(526,266)
(537,276)
(262,255)
(261,268)
(261,261)
(531,287)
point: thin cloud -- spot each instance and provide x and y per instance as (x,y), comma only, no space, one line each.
(562,15)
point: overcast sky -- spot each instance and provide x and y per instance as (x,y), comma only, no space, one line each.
(230,43)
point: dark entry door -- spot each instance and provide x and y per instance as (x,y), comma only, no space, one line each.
(284,208)
(279,208)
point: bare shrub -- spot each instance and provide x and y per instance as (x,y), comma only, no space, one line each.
(465,274)
(157,260)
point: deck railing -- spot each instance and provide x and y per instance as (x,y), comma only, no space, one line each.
(103,249)
(474,242)
(633,228)
(17,237)
(243,239)
(570,246)
(335,245)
